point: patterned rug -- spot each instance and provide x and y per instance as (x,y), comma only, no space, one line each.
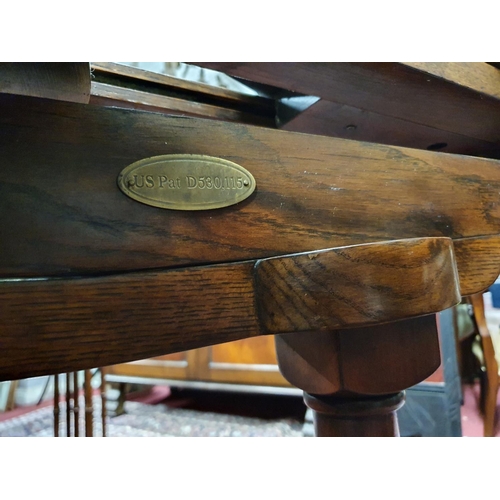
(142,420)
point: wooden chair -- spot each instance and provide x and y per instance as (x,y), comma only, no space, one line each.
(74,413)
(487,353)
(345,251)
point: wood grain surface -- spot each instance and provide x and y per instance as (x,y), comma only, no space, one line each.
(478,259)
(361,285)
(111,95)
(90,277)
(374,360)
(62,214)
(477,76)
(58,325)
(61,81)
(487,359)
(348,122)
(390,89)
(129,74)
(368,417)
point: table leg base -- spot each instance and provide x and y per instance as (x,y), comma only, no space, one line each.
(360,417)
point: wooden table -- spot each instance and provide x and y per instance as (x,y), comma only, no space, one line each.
(345,251)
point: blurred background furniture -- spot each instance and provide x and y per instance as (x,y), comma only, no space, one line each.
(75,412)
(486,349)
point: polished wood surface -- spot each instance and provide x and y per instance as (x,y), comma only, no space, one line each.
(355,418)
(61,81)
(71,427)
(250,361)
(488,361)
(110,280)
(68,401)
(359,285)
(80,322)
(111,95)
(11,395)
(76,404)
(477,76)
(257,351)
(451,99)
(353,379)
(64,215)
(89,407)
(349,122)
(125,86)
(374,360)
(56,405)
(478,262)
(177,366)
(104,399)
(131,75)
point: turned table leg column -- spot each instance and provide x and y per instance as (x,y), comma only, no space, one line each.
(356,417)
(354,379)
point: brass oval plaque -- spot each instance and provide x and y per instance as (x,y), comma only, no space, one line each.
(186,182)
